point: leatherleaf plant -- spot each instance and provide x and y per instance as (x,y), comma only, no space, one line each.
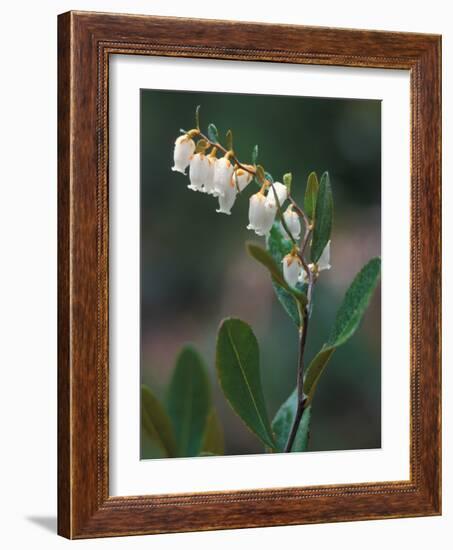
(295,253)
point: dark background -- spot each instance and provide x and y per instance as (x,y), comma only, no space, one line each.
(195,270)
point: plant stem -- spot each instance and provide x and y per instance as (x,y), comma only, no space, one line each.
(300,379)
(225,151)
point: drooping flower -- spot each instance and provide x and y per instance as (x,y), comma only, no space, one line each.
(222,175)
(184,149)
(199,168)
(292,268)
(292,220)
(209,179)
(226,200)
(261,214)
(322,264)
(242,178)
(282,193)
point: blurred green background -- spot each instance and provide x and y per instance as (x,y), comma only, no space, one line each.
(195,271)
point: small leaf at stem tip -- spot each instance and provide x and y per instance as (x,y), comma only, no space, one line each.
(323,217)
(201,146)
(259,174)
(311,193)
(287,180)
(213,133)
(255,154)
(238,368)
(229,140)
(197,116)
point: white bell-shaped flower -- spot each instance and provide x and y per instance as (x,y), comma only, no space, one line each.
(292,220)
(292,269)
(184,149)
(226,200)
(223,172)
(261,214)
(282,193)
(208,186)
(199,168)
(242,178)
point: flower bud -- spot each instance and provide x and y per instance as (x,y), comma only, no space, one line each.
(242,178)
(292,269)
(199,168)
(261,214)
(281,191)
(292,221)
(222,175)
(184,149)
(226,200)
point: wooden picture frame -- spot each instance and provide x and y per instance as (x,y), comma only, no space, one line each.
(85,42)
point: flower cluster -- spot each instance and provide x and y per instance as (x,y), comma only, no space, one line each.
(225,177)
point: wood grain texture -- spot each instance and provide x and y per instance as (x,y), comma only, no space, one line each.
(86,40)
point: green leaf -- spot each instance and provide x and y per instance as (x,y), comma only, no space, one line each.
(156,424)
(323,218)
(213,133)
(264,257)
(347,321)
(255,154)
(311,193)
(278,246)
(238,368)
(213,443)
(287,180)
(229,140)
(189,401)
(355,303)
(197,117)
(283,421)
(315,370)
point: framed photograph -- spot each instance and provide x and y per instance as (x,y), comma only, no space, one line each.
(249,275)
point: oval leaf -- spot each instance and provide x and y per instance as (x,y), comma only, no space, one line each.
(213,133)
(323,217)
(311,194)
(213,441)
(283,421)
(355,303)
(237,360)
(348,319)
(189,401)
(315,370)
(156,425)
